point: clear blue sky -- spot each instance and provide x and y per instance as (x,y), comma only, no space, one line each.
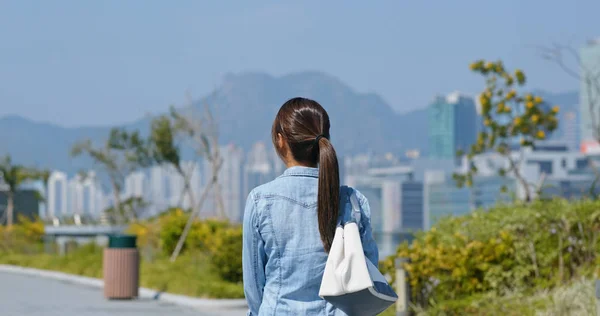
(104,62)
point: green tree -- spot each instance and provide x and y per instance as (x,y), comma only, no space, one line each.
(13,175)
(508,115)
(123,153)
(166,138)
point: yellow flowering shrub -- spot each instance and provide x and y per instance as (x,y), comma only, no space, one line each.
(508,248)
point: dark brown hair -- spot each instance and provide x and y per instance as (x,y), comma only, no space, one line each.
(304,126)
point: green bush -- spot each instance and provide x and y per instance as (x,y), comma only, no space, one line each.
(506,249)
(226,254)
(219,240)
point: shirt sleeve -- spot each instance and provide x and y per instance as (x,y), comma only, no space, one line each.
(253,257)
(366,232)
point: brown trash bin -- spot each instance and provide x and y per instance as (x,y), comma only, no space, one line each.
(121,268)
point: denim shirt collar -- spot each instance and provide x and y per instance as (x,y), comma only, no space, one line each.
(301,171)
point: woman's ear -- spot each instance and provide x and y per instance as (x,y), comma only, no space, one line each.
(280,142)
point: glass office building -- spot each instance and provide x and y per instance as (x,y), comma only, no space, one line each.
(452,125)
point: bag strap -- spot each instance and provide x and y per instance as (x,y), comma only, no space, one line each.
(355,207)
(349,194)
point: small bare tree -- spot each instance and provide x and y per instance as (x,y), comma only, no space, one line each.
(569,61)
(120,155)
(202,131)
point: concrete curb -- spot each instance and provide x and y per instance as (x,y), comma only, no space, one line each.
(145,293)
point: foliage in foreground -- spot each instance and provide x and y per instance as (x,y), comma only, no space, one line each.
(219,241)
(210,266)
(510,249)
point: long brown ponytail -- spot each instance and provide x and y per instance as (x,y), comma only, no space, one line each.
(304,125)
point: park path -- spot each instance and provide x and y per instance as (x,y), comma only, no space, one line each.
(25,295)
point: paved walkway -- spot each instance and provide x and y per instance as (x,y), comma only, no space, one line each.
(23,295)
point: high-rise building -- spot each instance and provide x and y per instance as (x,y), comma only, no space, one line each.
(396,203)
(192,171)
(443,198)
(75,196)
(81,195)
(258,169)
(590,66)
(174,186)
(159,188)
(228,193)
(90,190)
(57,194)
(570,122)
(453,124)
(135,185)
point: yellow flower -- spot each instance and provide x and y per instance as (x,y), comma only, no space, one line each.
(511,94)
(499,68)
(528,97)
(529,104)
(487,122)
(555,109)
(517,121)
(483,99)
(541,135)
(538,100)
(489,65)
(507,109)
(535,118)
(520,76)
(500,107)
(473,66)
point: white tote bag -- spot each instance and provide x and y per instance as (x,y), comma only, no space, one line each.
(351,282)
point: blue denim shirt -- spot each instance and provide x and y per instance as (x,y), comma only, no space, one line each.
(283,256)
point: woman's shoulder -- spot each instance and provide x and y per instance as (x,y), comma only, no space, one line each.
(275,187)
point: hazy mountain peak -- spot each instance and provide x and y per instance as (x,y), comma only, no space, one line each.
(245,105)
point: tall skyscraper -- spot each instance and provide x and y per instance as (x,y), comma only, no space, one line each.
(135,185)
(159,187)
(230,185)
(452,125)
(396,203)
(57,194)
(90,190)
(590,62)
(75,196)
(257,170)
(175,185)
(570,122)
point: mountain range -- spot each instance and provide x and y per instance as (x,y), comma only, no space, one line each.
(245,106)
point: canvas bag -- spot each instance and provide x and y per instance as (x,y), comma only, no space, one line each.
(350,281)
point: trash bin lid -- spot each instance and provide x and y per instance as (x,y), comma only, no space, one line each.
(122,241)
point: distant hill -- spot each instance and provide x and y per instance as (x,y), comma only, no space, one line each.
(245,105)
